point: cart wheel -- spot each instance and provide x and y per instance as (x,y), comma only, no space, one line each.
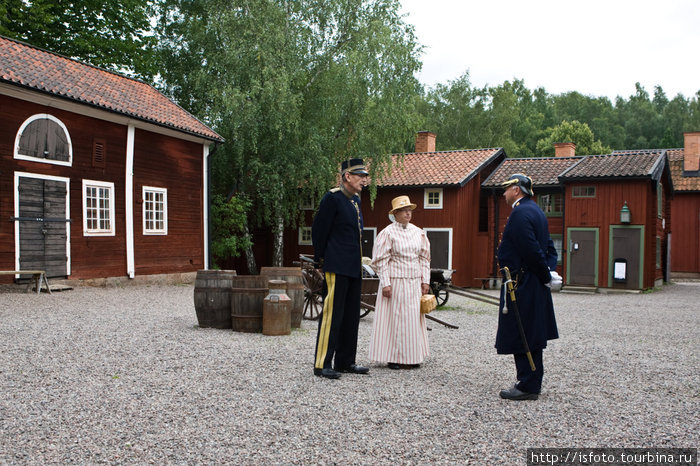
(364,311)
(441,295)
(313,305)
(313,294)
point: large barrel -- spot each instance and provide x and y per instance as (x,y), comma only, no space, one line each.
(295,288)
(277,317)
(247,295)
(212,298)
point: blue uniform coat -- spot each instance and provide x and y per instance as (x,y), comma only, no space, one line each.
(526,249)
(336,234)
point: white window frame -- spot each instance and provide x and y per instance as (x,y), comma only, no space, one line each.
(449,247)
(155,231)
(306,202)
(99,185)
(44,116)
(302,241)
(426,196)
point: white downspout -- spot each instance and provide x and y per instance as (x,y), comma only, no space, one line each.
(205,207)
(129,200)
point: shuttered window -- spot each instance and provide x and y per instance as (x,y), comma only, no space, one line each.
(44,138)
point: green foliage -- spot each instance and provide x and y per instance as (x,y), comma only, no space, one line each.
(527,123)
(113,34)
(576,132)
(228,220)
(294,88)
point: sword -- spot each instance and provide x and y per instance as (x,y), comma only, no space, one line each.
(510,289)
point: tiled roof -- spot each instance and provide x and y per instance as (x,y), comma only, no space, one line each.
(681,183)
(24,65)
(620,164)
(544,171)
(437,168)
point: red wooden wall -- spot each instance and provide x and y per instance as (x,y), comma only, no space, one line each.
(685,233)
(159,161)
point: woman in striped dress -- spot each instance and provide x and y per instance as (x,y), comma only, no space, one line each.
(401,258)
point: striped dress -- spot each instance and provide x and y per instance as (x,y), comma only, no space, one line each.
(401,258)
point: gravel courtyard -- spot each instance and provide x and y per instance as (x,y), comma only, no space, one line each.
(123,375)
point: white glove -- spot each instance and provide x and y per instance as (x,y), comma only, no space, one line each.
(556,281)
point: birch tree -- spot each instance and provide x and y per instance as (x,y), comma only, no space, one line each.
(294,87)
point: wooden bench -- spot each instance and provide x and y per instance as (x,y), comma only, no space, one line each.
(39,277)
(489,282)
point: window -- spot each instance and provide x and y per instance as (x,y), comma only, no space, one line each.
(44,138)
(98,208)
(583,191)
(658,252)
(659,200)
(483,212)
(155,211)
(307,202)
(305,236)
(556,239)
(432,198)
(551,204)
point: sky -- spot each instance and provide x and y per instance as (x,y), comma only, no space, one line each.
(596,47)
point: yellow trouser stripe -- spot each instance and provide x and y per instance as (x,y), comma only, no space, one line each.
(326,318)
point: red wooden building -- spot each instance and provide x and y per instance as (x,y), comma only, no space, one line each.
(685,207)
(100,175)
(609,214)
(452,207)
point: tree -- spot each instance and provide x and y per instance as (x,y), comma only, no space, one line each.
(576,132)
(112,34)
(228,238)
(294,87)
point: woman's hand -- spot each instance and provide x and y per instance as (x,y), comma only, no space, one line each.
(386,291)
(425,288)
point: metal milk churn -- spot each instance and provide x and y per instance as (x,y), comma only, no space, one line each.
(277,310)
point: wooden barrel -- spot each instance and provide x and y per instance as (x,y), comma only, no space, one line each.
(212,298)
(295,288)
(247,295)
(277,317)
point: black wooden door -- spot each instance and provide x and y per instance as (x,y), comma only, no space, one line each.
(43,226)
(439,248)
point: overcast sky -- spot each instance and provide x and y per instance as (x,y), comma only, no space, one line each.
(595,47)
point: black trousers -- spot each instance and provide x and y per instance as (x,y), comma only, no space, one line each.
(337,327)
(529,381)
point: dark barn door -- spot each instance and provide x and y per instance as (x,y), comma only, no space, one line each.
(439,248)
(626,249)
(42,226)
(583,257)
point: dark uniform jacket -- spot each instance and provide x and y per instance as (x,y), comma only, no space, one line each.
(335,234)
(526,249)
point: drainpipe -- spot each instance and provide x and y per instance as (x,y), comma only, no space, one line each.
(495,233)
(207,243)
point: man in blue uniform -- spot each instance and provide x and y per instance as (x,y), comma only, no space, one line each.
(336,234)
(527,250)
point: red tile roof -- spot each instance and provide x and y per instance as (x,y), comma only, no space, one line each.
(27,66)
(544,171)
(619,164)
(437,168)
(681,183)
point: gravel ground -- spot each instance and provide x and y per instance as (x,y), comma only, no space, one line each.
(123,375)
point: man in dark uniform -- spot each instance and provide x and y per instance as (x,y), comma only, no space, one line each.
(336,234)
(527,250)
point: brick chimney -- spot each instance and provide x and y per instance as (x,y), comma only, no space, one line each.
(425,141)
(691,152)
(564,149)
